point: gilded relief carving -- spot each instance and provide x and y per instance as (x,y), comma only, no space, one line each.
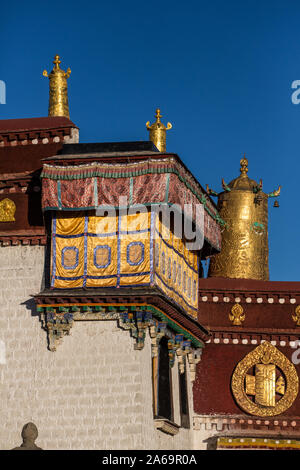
(265,382)
(237,315)
(7,210)
(296,317)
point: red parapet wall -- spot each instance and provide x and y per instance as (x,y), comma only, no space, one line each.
(269,311)
(212,387)
(32,131)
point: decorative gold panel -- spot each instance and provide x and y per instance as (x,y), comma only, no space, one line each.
(237,315)
(257,443)
(7,210)
(125,250)
(296,317)
(265,384)
(274,386)
(250,385)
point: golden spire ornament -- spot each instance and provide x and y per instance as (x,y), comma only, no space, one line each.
(157,132)
(243,205)
(58,90)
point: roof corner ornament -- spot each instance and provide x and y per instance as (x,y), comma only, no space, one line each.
(275,193)
(157,132)
(225,186)
(58,89)
(211,192)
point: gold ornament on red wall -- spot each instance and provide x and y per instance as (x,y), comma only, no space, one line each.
(7,210)
(296,317)
(265,382)
(237,315)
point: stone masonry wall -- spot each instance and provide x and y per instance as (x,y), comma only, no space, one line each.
(94,392)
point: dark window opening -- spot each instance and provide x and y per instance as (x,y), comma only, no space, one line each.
(184,401)
(164,408)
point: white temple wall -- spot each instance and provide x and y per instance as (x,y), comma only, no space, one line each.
(94,392)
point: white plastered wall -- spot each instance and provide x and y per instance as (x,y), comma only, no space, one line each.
(94,392)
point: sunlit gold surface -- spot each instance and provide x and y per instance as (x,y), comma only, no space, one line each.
(267,362)
(296,317)
(157,132)
(265,384)
(280,386)
(237,315)
(7,210)
(58,90)
(244,252)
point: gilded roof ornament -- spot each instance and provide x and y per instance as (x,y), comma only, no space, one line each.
(210,191)
(243,205)
(225,186)
(244,165)
(157,132)
(275,193)
(58,89)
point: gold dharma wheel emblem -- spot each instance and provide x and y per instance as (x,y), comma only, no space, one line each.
(265,382)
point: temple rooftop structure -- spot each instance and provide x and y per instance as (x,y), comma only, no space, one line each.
(108,323)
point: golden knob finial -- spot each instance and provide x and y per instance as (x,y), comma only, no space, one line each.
(57,61)
(58,89)
(244,165)
(158,115)
(157,132)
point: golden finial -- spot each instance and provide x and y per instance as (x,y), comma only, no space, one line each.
(244,165)
(58,89)
(158,115)
(158,132)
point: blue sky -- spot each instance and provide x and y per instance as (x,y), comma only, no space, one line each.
(221,72)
